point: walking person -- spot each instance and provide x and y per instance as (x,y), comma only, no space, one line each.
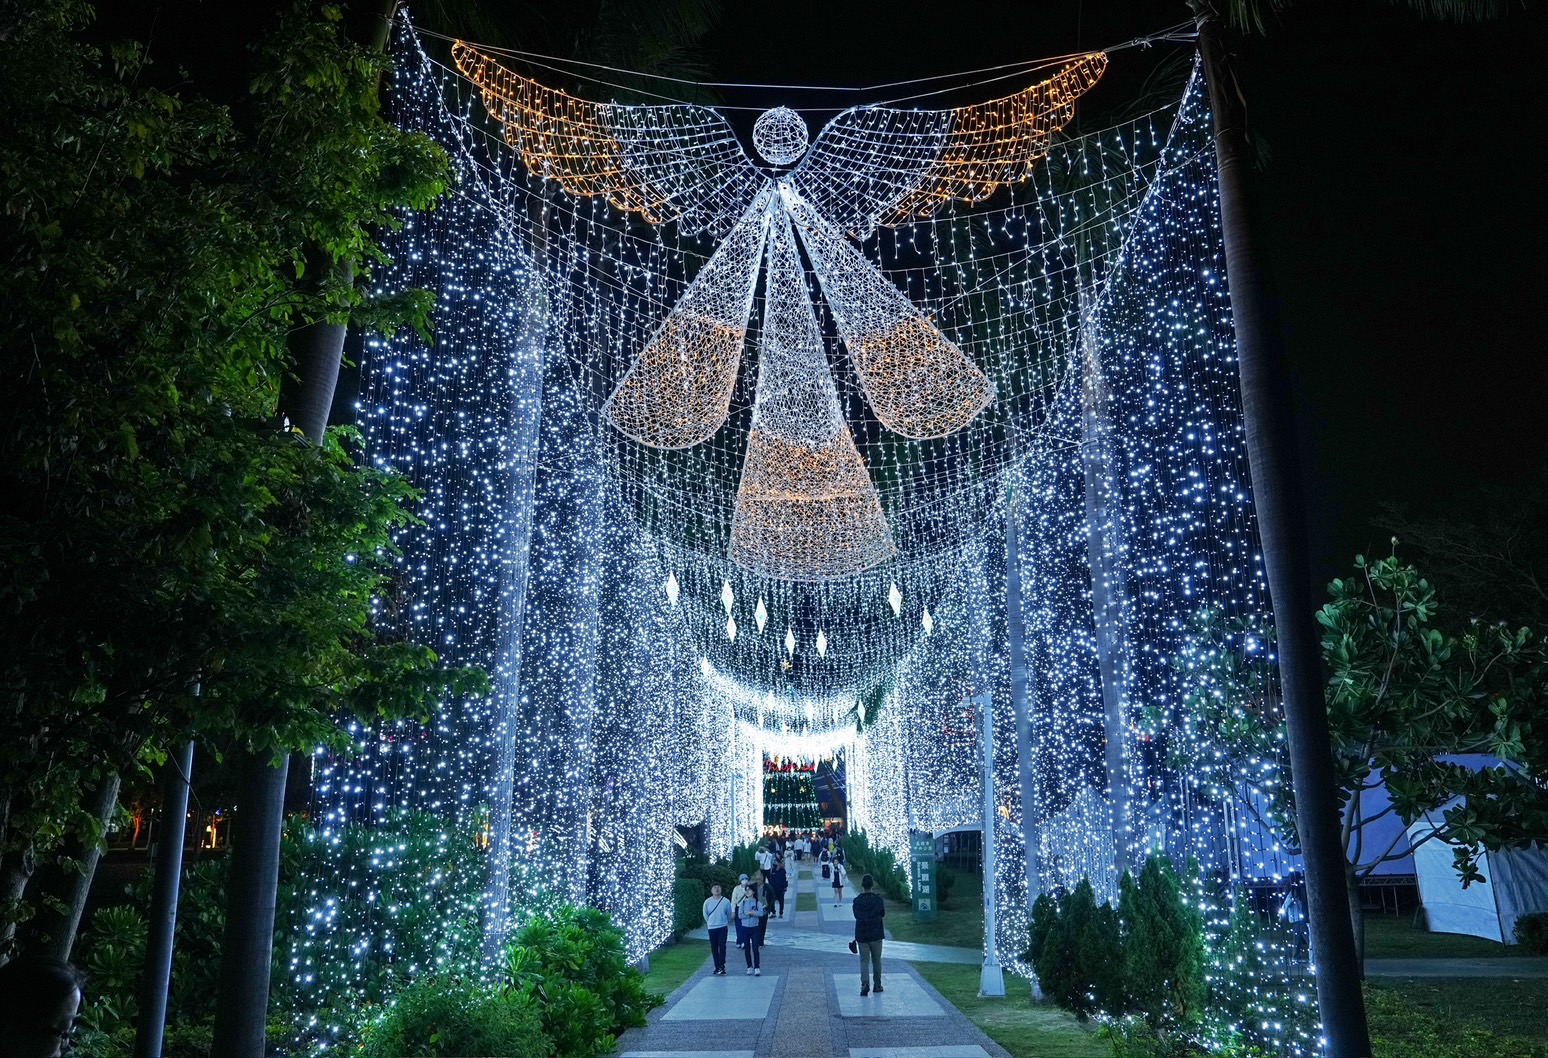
(825,859)
(765,894)
(779,881)
(765,859)
(749,913)
(717,919)
(838,883)
(869,910)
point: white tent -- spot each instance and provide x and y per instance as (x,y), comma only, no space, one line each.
(1517,884)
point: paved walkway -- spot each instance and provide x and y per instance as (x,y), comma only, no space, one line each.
(807,1004)
(1509,966)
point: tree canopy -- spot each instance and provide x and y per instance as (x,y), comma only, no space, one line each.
(165,531)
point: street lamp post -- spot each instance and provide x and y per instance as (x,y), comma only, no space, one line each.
(991,980)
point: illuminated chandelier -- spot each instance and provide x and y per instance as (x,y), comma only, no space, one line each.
(806,508)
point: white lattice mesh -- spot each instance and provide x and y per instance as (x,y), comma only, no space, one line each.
(805,507)
(780,135)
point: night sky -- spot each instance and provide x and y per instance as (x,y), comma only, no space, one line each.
(1403,206)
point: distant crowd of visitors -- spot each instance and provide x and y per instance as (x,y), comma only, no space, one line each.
(761,896)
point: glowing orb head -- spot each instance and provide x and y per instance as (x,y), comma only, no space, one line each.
(780,136)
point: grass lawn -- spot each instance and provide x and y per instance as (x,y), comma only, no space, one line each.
(1393,937)
(1024,1028)
(959,922)
(1479,1017)
(806,901)
(672,964)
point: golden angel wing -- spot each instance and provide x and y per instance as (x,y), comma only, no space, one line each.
(677,162)
(880,166)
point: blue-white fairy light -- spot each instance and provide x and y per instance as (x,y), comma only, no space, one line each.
(595,576)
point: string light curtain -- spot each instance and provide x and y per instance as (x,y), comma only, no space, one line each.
(642,607)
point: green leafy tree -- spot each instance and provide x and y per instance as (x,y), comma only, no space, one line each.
(164,528)
(1077,951)
(1403,693)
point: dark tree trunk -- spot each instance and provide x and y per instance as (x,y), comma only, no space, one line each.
(1106,603)
(1357,920)
(242,1003)
(54,928)
(15,873)
(1276,487)
(242,1000)
(163,910)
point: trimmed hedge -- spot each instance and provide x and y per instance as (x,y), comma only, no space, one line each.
(687,905)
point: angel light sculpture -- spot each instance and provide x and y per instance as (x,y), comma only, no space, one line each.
(806,508)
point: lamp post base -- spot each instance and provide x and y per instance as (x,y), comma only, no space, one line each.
(991,981)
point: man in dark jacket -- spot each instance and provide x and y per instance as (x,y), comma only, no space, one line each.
(869,909)
(779,881)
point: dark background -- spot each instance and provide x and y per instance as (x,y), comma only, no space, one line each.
(1399,185)
(1402,199)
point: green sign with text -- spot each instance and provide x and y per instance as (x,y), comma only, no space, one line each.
(922,854)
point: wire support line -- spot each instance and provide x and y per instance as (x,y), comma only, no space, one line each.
(1181,32)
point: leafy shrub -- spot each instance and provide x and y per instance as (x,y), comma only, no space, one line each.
(1078,952)
(687,905)
(573,964)
(1532,933)
(449,1016)
(743,860)
(201,928)
(709,874)
(113,955)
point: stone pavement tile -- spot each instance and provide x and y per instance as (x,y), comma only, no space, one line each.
(691,1054)
(969,1050)
(908,951)
(736,997)
(1503,967)
(903,998)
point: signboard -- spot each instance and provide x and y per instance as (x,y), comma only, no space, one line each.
(922,854)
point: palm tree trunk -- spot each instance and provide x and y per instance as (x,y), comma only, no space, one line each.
(1021,700)
(59,918)
(242,1000)
(1106,602)
(1276,486)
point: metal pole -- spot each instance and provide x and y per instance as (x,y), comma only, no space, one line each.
(163,910)
(991,980)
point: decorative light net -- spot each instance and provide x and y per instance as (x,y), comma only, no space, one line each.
(668,393)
